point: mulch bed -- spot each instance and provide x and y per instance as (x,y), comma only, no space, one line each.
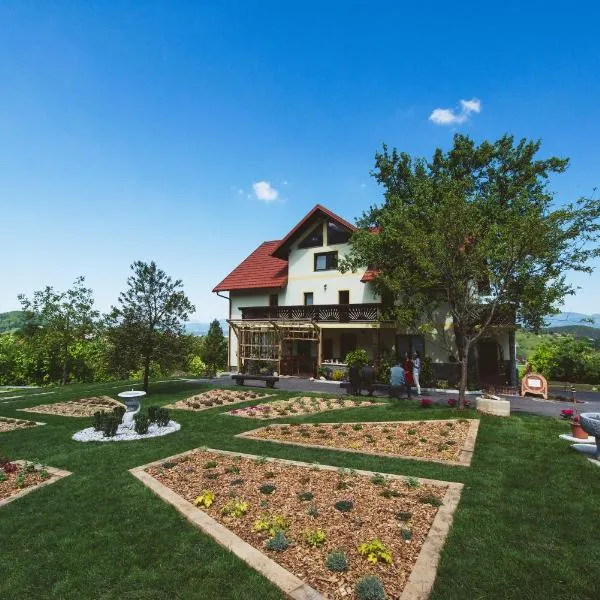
(396,511)
(13,483)
(8,424)
(213,398)
(301,406)
(84,407)
(433,440)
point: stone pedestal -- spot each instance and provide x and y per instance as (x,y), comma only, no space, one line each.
(493,406)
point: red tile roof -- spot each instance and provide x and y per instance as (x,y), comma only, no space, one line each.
(369,275)
(259,270)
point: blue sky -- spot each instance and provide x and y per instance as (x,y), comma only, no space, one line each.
(133,130)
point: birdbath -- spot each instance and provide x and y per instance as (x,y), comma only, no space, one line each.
(590,423)
(132,400)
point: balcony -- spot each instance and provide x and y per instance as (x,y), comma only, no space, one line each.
(328,313)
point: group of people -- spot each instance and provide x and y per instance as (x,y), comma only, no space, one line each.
(403,376)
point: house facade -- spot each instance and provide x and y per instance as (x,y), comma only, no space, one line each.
(291,309)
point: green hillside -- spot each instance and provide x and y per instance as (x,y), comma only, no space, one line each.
(528,342)
(11,321)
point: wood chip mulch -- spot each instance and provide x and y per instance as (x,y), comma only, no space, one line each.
(9,488)
(398,512)
(214,398)
(301,406)
(440,440)
(84,407)
(8,424)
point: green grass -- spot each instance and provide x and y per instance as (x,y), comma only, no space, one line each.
(526,526)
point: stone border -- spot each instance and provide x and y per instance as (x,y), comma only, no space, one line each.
(420,581)
(56,475)
(464,458)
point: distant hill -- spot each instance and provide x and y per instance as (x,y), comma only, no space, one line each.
(11,321)
(199,328)
(566,319)
(579,331)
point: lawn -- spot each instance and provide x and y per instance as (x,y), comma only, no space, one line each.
(526,526)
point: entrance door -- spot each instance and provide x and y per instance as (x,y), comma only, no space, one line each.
(344,301)
(489,360)
(306,362)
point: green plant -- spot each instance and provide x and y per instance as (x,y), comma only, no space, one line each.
(2,475)
(20,480)
(233,469)
(235,508)
(369,587)
(412,482)
(167,465)
(119,411)
(272,524)
(403,515)
(141,423)
(237,482)
(278,543)
(338,375)
(98,420)
(375,551)
(110,425)
(312,511)
(337,561)
(378,479)
(344,505)
(152,410)
(206,499)
(162,417)
(406,534)
(305,496)
(267,488)
(260,460)
(431,499)
(315,537)
(211,464)
(357,358)
(411,431)
(387,493)
(269,475)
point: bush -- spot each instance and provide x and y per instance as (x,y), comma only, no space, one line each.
(375,551)
(337,561)
(278,542)
(338,375)
(369,588)
(267,489)
(197,367)
(344,505)
(426,376)
(141,423)
(119,411)
(162,417)
(357,358)
(110,425)
(98,420)
(305,496)
(152,410)
(315,538)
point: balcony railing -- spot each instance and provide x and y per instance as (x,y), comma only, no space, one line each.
(331,313)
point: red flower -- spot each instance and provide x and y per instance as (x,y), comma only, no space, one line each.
(452,401)
(425,402)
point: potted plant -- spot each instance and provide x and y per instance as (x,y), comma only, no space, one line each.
(576,429)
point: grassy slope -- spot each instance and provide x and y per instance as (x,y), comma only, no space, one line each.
(526,527)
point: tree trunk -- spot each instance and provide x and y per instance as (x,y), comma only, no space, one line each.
(65,366)
(464,376)
(146,371)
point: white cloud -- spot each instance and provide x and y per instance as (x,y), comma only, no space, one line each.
(449,116)
(240,191)
(285,182)
(265,191)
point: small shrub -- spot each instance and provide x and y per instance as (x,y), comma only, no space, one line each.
(337,561)
(411,431)
(44,474)
(378,479)
(278,543)
(119,411)
(431,499)
(312,511)
(261,460)
(234,470)
(267,488)
(404,516)
(406,534)
(2,475)
(357,427)
(305,496)
(235,508)
(211,464)
(237,482)
(271,524)
(167,465)
(375,551)
(20,481)
(206,499)
(315,537)
(344,505)
(269,475)
(110,425)
(412,482)
(162,417)
(211,475)
(369,587)
(387,493)
(152,410)
(141,423)
(423,440)
(98,420)
(342,485)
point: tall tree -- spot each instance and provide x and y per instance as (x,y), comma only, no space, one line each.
(61,318)
(214,348)
(150,315)
(475,233)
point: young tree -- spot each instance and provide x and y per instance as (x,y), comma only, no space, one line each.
(214,348)
(474,233)
(61,319)
(150,316)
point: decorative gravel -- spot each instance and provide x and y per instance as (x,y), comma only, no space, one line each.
(84,407)
(125,434)
(12,484)
(8,424)
(396,511)
(433,440)
(304,405)
(214,398)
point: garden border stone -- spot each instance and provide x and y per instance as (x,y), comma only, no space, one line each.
(57,474)
(420,581)
(464,458)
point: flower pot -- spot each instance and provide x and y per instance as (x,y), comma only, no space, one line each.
(578,432)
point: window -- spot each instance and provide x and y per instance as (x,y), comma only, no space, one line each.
(308,298)
(410,344)
(336,234)
(343,297)
(326,261)
(313,239)
(273,300)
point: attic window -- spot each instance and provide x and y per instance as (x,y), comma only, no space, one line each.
(336,234)
(313,239)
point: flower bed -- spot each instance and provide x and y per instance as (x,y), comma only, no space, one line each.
(300,406)
(18,478)
(449,441)
(8,424)
(329,530)
(213,398)
(84,407)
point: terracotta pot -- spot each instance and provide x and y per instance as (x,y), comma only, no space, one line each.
(578,432)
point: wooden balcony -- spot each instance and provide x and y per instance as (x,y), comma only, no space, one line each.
(327,313)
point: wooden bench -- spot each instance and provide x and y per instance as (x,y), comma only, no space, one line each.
(270,380)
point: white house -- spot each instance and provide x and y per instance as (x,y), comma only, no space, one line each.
(290,308)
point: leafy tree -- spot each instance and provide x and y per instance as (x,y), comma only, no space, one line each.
(60,319)
(214,348)
(149,319)
(473,233)
(565,358)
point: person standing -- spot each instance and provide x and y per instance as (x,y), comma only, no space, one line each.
(408,371)
(417,371)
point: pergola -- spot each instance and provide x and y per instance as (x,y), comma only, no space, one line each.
(264,340)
